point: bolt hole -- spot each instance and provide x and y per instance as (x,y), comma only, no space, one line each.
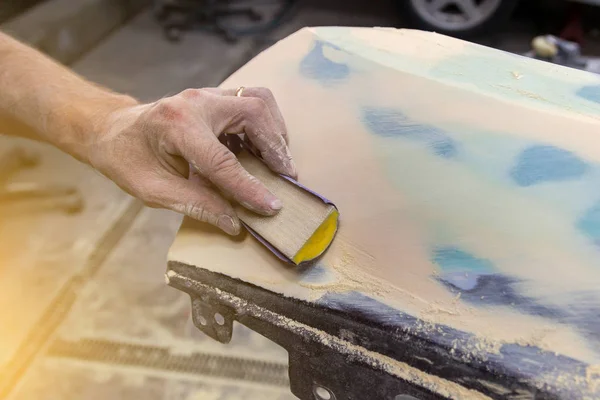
(202,320)
(405,397)
(219,319)
(322,393)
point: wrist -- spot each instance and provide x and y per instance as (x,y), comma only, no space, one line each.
(89,121)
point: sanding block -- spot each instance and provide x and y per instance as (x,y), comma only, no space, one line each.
(303,229)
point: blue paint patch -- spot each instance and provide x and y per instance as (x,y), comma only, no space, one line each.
(456,260)
(584,313)
(590,92)
(498,290)
(373,312)
(589,223)
(315,274)
(493,74)
(461,280)
(524,361)
(529,361)
(318,67)
(389,122)
(538,164)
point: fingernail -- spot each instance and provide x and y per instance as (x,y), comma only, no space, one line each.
(275,203)
(226,223)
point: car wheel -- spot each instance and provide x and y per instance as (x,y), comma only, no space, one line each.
(462,18)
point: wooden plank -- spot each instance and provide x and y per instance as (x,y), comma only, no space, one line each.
(467,182)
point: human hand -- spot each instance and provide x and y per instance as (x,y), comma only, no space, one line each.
(168,154)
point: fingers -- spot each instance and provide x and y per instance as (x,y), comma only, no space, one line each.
(250,115)
(219,165)
(196,199)
(257,115)
(267,96)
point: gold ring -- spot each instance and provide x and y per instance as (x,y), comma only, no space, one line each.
(239,91)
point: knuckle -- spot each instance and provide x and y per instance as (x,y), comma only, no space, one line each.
(192,94)
(165,105)
(263,93)
(170,109)
(255,107)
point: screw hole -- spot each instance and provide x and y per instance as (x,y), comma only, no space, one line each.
(202,320)
(322,393)
(219,319)
(405,397)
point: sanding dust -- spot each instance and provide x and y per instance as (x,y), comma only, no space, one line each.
(349,269)
(565,381)
(538,338)
(352,268)
(433,309)
(393,367)
(592,375)
(476,348)
(494,387)
(353,273)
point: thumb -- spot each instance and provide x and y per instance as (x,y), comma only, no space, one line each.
(197,199)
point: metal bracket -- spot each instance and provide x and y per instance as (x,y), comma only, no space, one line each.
(213,318)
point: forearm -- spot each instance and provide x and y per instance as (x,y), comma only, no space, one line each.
(148,149)
(41,99)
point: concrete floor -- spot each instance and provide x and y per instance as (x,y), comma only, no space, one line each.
(106,266)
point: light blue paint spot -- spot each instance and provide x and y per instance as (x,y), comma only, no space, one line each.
(538,164)
(492,73)
(316,66)
(461,269)
(389,122)
(590,92)
(589,223)
(313,274)
(316,274)
(452,259)
(461,280)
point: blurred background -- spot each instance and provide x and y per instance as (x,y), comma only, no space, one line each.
(85,312)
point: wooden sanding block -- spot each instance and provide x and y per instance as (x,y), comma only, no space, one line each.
(305,226)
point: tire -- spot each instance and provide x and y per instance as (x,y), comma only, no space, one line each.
(494,18)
